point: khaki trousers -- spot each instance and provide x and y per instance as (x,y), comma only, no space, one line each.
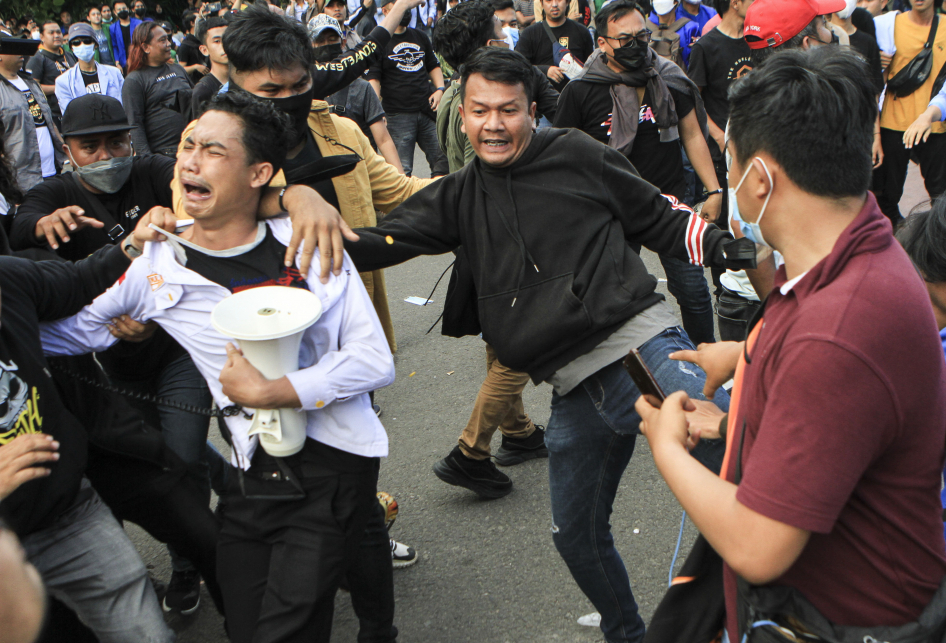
(498,406)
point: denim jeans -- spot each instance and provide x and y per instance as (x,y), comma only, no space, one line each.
(590,437)
(687,283)
(87,561)
(185,433)
(410,128)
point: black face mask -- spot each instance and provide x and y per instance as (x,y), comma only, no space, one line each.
(632,56)
(406,18)
(296,107)
(328,53)
(122,14)
(140,11)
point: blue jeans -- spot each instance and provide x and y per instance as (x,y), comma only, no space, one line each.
(88,562)
(687,283)
(590,438)
(410,128)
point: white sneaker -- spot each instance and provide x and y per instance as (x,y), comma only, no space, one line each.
(402,555)
(590,620)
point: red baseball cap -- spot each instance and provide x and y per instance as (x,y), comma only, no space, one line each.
(770,23)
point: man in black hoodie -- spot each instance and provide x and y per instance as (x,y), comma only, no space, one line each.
(68,533)
(548,221)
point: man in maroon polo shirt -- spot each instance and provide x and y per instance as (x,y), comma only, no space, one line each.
(838,417)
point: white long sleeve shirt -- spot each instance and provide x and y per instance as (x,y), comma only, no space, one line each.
(344,355)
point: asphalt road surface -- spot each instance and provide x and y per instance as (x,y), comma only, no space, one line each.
(488,570)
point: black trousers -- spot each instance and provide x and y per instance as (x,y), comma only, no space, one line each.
(172,509)
(890,176)
(371,582)
(280,559)
(733,314)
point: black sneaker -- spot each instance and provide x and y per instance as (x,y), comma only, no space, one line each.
(183,593)
(516,451)
(480,476)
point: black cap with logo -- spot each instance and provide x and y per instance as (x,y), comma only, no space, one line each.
(10,46)
(94,114)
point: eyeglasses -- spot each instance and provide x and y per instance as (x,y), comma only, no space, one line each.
(643,37)
(81,41)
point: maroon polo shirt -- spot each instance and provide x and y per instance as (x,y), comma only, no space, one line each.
(844,407)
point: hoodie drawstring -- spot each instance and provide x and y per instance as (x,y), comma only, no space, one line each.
(513,231)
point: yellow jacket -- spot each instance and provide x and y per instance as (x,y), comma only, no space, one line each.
(372,185)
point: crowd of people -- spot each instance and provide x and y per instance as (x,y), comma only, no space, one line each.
(148,172)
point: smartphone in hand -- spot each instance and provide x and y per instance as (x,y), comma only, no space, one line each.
(643,378)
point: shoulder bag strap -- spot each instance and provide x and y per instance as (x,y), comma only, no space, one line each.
(548,31)
(113,228)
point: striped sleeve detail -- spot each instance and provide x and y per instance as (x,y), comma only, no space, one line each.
(696,228)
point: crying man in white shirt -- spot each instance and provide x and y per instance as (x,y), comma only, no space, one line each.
(311,527)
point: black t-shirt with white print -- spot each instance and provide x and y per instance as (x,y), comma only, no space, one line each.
(588,106)
(261,263)
(402,69)
(716,60)
(91,80)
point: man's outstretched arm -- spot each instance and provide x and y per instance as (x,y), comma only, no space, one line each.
(425,224)
(330,77)
(62,288)
(658,221)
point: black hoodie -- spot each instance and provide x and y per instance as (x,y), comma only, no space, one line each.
(549,242)
(32,292)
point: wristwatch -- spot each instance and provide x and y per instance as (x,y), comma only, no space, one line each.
(130,248)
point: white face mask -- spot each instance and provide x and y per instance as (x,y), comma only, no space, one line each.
(85,53)
(512,36)
(752,231)
(849,6)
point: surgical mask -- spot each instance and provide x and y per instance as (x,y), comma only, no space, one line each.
(85,53)
(123,14)
(849,6)
(752,231)
(631,56)
(109,175)
(327,53)
(296,107)
(512,36)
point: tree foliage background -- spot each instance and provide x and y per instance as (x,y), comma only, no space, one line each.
(50,9)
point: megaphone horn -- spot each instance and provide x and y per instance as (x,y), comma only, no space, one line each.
(268,324)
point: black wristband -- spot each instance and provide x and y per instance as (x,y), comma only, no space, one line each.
(709,194)
(282,208)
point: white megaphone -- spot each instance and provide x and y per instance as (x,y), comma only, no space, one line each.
(268,323)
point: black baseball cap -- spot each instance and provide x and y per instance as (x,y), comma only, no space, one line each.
(10,46)
(94,114)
